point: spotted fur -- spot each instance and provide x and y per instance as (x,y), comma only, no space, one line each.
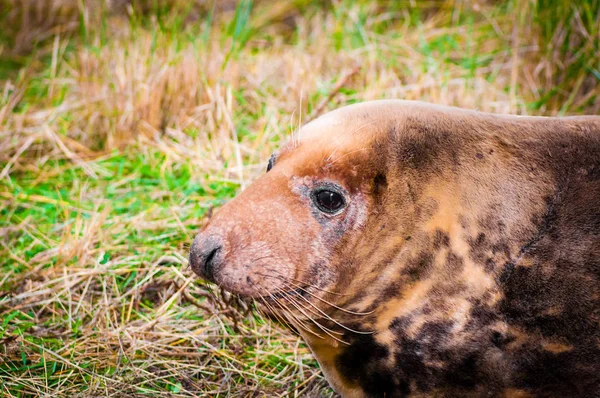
(466,263)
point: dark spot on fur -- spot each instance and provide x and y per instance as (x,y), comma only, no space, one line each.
(420,146)
(436,331)
(492,220)
(546,224)
(500,340)
(379,184)
(392,290)
(506,273)
(418,267)
(554,375)
(454,263)
(427,361)
(480,239)
(497,339)
(479,155)
(480,248)
(440,239)
(364,363)
(400,323)
(415,154)
(481,314)
(490,265)
(466,372)
(501,248)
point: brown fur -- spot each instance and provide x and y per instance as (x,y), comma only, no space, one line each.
(466,263)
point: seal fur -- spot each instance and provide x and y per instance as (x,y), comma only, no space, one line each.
(466,261)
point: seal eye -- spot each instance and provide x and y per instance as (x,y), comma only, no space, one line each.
(328,201)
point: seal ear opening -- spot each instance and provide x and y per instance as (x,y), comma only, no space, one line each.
(379,184)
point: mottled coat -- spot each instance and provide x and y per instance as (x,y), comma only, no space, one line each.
(465,260)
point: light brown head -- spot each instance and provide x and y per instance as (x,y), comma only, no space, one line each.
(287,231)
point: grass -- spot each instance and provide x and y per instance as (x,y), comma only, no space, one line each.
(123,126)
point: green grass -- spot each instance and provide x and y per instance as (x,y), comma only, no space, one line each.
(121,129)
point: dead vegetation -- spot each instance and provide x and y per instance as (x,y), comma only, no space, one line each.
(124,123)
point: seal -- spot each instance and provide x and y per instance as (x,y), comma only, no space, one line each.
(423,250)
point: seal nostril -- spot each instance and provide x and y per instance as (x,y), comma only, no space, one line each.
(209,264)
(205,256)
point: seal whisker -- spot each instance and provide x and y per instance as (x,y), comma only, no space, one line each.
(299,287)
(294,320)
(291,295)
(328,331)
(273,311)
(293,130)
(331,304)
(331,163)
(289,314)
(306,284)
(283,319)
(333,320)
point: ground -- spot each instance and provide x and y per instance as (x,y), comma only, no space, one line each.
(124,124)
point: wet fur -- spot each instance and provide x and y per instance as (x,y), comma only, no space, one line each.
(472,250)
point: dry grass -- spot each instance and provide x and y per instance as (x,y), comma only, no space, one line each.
(123,125)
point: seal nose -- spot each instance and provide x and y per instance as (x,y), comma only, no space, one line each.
(205,257)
